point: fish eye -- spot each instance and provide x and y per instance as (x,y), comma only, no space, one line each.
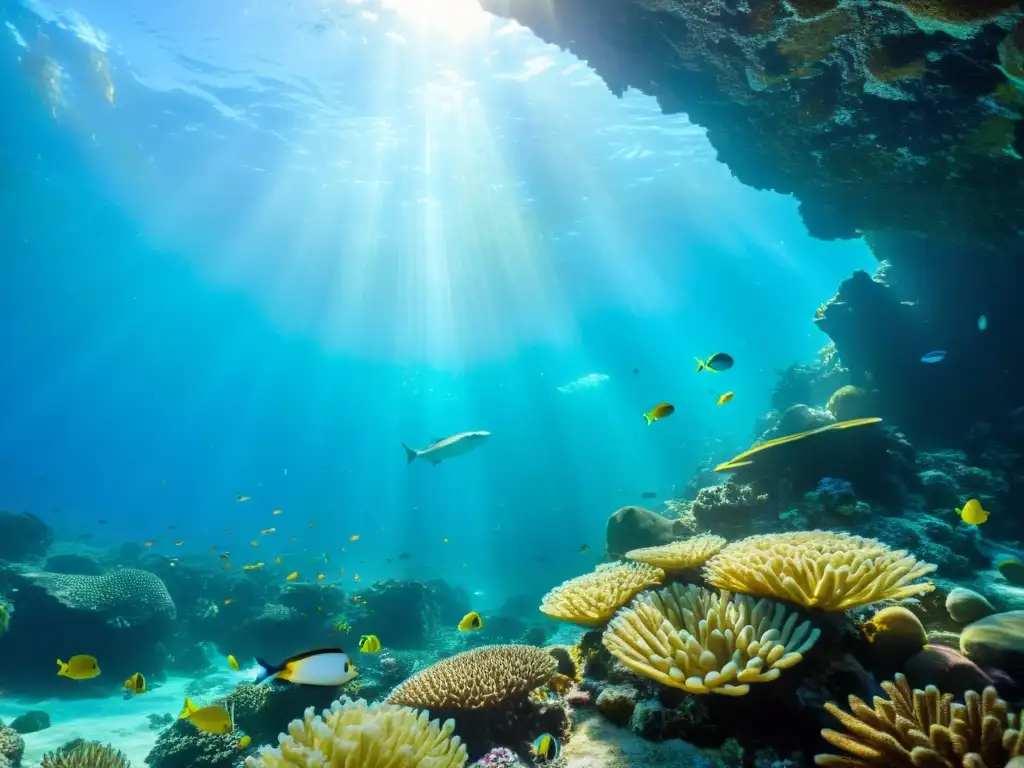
(347,665)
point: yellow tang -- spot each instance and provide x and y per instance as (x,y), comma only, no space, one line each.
(211,719)
(471,622)
(292,576)
(233,662)
(972,513)
(78,667)
(369,644)
(725,398)
(660,411)
(135,684)
(244,742)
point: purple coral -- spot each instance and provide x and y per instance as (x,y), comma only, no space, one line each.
(499,757)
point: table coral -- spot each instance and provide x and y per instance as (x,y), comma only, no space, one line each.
(818,569)
(590,600)
(679,555)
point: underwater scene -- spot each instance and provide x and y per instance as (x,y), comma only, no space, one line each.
(511,383)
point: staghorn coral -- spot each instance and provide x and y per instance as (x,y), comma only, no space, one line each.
(592,599)
(85,754)
(680,555)
(477,679)
(818,569)
(130,595)
(924,729)
(707,642)
(353,734)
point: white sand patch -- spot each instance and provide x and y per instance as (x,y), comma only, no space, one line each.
(121,722)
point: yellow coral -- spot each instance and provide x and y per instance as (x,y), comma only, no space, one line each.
(592,599)
(924,728)
(477,679)
(706,642)
(680,555)
(85,754)
(819,569)
(354,735)
(848,402)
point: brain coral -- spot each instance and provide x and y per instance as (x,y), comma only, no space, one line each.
(477,679)
(819,569)
(12,746)
(85,754)
(704,642)
(354,735)
(915,729)
(592,599)
(134,596)
(680,555)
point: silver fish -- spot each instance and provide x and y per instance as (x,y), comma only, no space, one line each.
(447,447)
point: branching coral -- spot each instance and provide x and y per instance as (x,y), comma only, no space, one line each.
(477,679)
(818,569)
(680,555)
(924,729)
(592,599)
(354,735)
(85,754)
(706,642)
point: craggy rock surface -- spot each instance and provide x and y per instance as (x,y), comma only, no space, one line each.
(903,114)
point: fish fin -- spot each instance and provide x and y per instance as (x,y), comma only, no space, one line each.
(410,454)
(649,419)
(187,709)
(267,672)
(307,654)
(62,668)
(700,365)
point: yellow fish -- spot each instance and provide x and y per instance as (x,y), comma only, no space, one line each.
(254,543)
(320,577)
(471,622)
(211,719)
(723,399)
(292,576)
(233,662)
(277,559)
(228,600)
(265,531)
(369,644)
(244,742)
(78,668)
(354,537)
(355,578)
(135,684)
(254,566)
(972,513)
(660,411)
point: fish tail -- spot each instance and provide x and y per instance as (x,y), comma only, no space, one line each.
(700,365)
(187,709)
(650,420)
(410,454)
(266,673)
(61,667)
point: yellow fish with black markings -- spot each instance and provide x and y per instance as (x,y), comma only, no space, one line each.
(471,622)
(369,644)
(79,667)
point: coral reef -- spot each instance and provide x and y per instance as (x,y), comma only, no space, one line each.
(679,555)
(591,600)
(12,746)
(702,642)
(728,508)
(23,537)
(85,754)
(862,110)
(820,569)
(477,679)
(353,734)
(924,728)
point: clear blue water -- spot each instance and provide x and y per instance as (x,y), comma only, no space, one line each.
(305,232)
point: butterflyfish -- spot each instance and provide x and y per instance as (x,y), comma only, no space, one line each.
(292,576)
(725,398)
(324,666)
(211,719)
(78,667)
(546,748)
(471,622)
(233,662)
(244,742)
(660,411)
(134,685)
(972,513)
(716,363)
(369,644)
